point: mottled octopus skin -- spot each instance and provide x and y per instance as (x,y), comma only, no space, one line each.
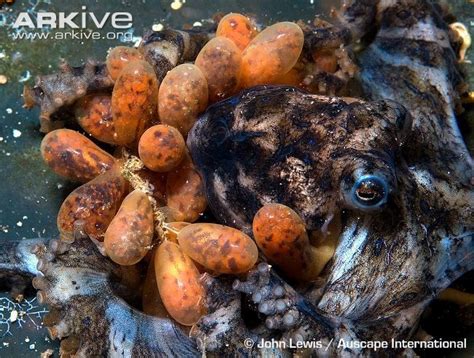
(168,48)
(87,297)
(54,93)
(278,144)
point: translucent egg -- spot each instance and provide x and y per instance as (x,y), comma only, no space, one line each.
(93,205)
(94,115)
(185,192)
(238,28)
(281,235)
(73,156)
(271,54)
(130,233)
(179,284)
(218,248)
(161,148)
(119,57)
(182,96)
(134,101)
(220,61)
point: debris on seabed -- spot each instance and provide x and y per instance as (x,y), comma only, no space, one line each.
(47,353)
(177,4)
(157,27)
(13,316)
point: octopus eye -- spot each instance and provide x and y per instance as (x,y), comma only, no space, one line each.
(369,192)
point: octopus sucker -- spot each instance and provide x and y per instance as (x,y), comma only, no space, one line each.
(86,294)
(339,190)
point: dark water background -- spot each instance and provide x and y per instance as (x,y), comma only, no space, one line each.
(30,194)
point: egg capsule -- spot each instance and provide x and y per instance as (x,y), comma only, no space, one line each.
(161,148)
(237,28)
(281,235)
(119,57)
(218,248)
(94,115)
(134,101)
(271,54)
(173,229)
(182,96)
(130,233)
(93,204)
(151,300)
(73,156)
(185,193)
(220,61)
(179,284)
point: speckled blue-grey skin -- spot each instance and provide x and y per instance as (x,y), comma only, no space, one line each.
(394,258)
(18,264)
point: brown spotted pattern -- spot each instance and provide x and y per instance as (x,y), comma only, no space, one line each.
(182,96)
(179,284)
(73,156)
(92,205)
(129,235)
(218,248)
(94,115)
(161,148)
(281,235)
(134,101)
(220,62)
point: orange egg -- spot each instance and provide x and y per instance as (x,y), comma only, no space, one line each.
(218,248)
(238,28)
(130,233)
(94,115)
(271,54)
(161,148)
(185,192)
(182,96)
(281,235)
(179,284)
(73,156)
(151,299)
(93,205)
(119,57)
(220,61)
(173,228)
(134,101)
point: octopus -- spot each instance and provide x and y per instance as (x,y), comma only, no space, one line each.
(388,158)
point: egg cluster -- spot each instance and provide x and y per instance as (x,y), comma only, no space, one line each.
(142,201)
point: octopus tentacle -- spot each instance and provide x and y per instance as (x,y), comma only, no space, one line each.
(285,310)
(18,264)
(84,291)
(168,48)
(54,93)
